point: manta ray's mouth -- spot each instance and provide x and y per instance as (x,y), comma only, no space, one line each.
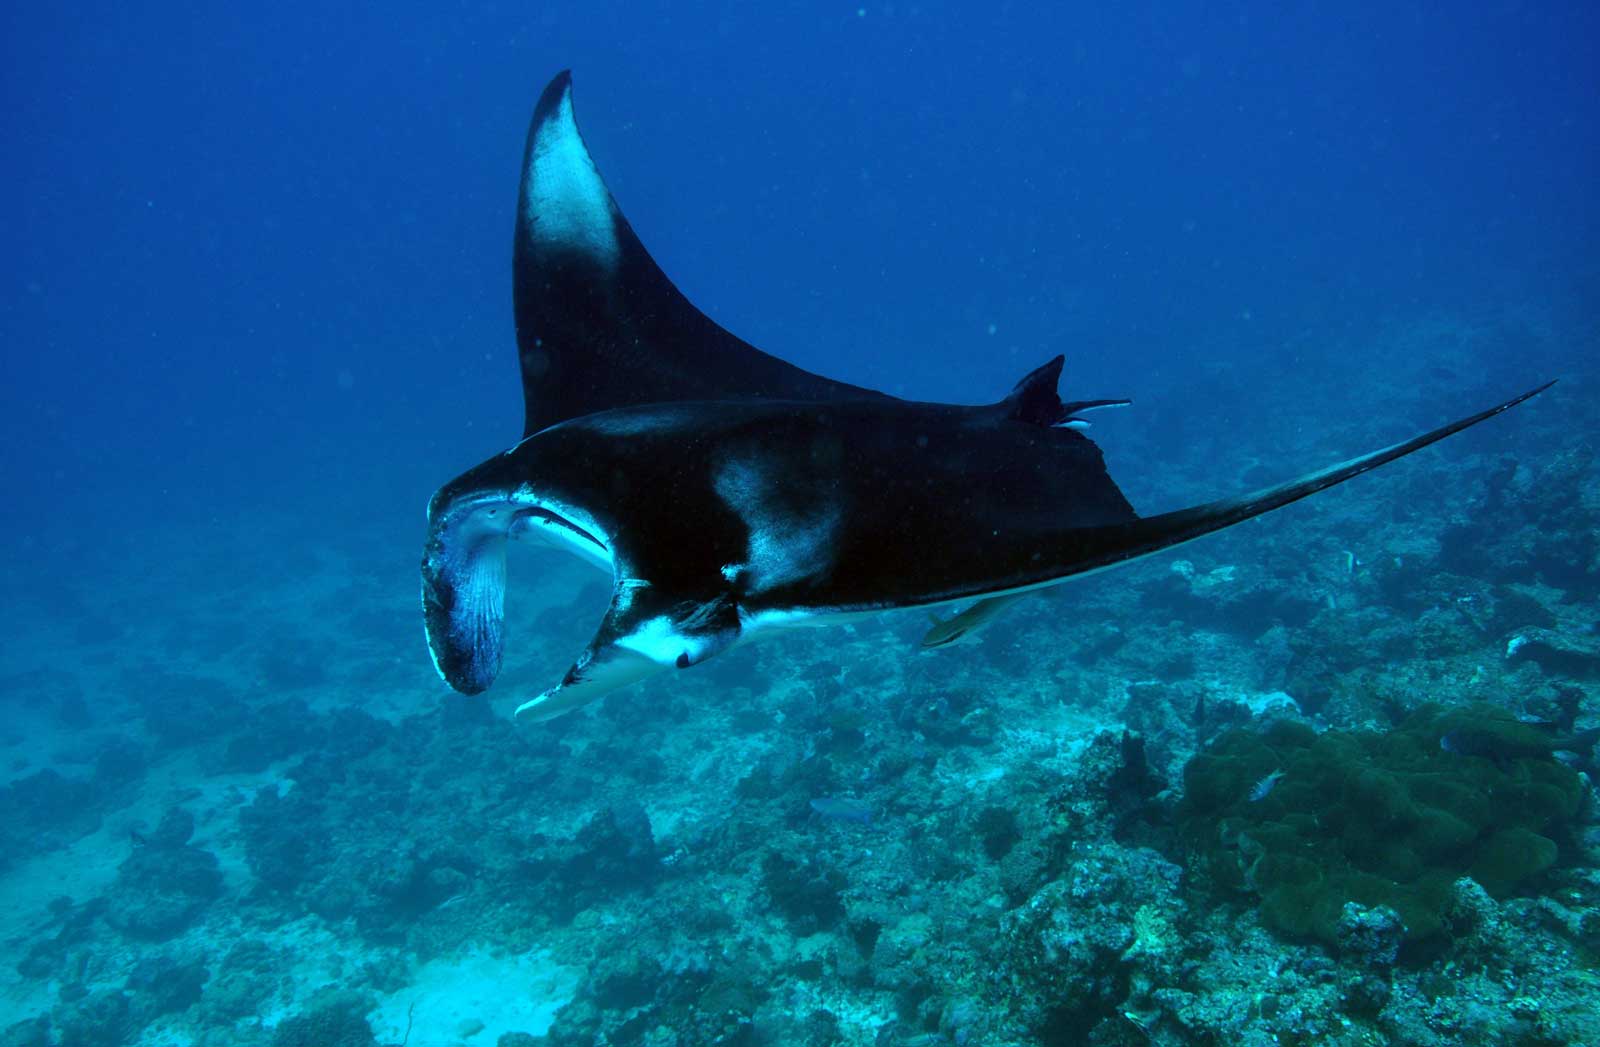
(537,517)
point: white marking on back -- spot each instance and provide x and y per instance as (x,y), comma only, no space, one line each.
(785,545)
(568,203)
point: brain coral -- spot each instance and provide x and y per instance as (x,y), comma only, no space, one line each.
(1376,818)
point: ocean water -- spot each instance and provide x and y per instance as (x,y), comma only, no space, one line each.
(256,309)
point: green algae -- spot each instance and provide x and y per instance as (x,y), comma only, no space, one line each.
(1376,818)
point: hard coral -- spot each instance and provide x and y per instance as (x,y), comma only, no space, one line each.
(1311,822)
(164,884)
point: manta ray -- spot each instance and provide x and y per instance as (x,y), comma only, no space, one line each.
(731,494)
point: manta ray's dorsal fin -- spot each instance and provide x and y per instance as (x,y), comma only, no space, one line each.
(599,325)
(1035,399)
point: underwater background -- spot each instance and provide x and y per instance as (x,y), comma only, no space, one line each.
(1324,778)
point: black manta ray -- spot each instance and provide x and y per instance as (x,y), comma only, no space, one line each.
(732,494)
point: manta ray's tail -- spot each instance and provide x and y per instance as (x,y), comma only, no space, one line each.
(1096,548)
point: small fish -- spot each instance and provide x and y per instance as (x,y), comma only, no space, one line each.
(963,628)
(1261,789)
(843,808)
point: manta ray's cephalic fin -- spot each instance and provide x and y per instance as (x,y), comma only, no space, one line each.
(638,637)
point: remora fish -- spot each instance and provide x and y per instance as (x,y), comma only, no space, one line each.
(731,494)
(963,628)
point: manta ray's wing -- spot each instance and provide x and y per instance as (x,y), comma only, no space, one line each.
(599,325)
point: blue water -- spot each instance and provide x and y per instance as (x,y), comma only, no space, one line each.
(256,308)
(213,217)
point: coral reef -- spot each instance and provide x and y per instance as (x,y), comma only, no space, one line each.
(165,883)
(1307,788)
(338,1019)
(1379,821)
